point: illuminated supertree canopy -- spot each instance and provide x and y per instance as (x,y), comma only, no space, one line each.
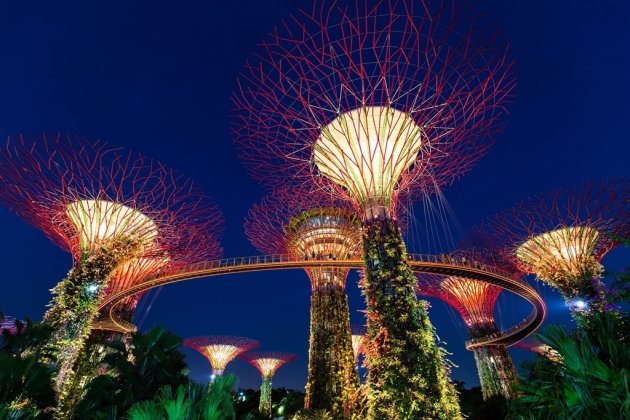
(220,349)
(109,209)
(369,103)
(314,227)
(562,236)
(358,335)
(267,364)
(475,301)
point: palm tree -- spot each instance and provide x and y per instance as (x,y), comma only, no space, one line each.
(591,379)
(135,372)
(188,402)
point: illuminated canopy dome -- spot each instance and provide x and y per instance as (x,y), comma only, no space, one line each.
(366,150)
(473,299)
(268,362)
(306,226)
(562,236)
(85,196)
(220,349)
(323,233)
(562,254)
(370,102)
(100,222)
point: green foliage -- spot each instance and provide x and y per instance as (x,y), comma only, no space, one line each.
(592,379)
(74,308)
(135,372)
(26,389)
(189,402)
(496,371)
(333,381)
(407,375)
(265,397)
(284,402)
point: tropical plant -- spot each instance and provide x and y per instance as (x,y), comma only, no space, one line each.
(590,380)
(25,381)
(189,402)
(134,372)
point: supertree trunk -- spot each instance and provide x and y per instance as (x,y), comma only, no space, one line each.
(73,310)
(265,397)
(333,382)
(496,371)
(407,377)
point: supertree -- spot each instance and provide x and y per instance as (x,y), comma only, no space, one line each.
(358,335)
(475,301)
(369,103)
(199,245)
(562,236)
(220,349)
(106,207)
(314,227)
(267,364)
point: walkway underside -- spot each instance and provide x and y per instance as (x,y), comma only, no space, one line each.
(421,263)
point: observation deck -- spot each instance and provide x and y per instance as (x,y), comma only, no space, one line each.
(435,264)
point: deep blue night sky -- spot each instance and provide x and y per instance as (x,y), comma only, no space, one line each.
(156,77)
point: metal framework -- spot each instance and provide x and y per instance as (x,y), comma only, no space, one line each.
(562,236)
(220,349)
(268,363)
(437,264)
(308,226)
(475,300)
(311,226)
(84,196)
(370,102)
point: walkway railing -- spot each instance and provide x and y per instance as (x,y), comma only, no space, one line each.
(440,264)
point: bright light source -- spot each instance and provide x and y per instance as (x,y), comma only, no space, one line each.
(91,288)
(577,303)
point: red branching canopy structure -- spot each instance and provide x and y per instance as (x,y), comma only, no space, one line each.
(370,101)
(306,225)
(473,299)
(313,226)
(84,196)
(268,363)
(562,236)
(220,349)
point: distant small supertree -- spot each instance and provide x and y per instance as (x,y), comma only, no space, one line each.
(372,103)
(475,300)
(358,335)
(312,226)
(106,207)
(220,349)
(562,236)
(267,364)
